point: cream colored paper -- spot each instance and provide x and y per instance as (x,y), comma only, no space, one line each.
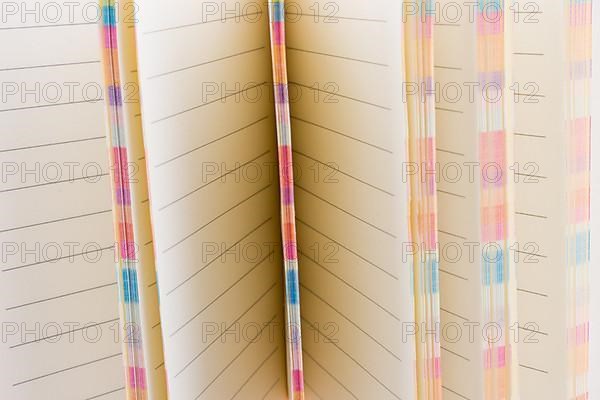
(349,134)
(208,121)
(58,294)
(541,226)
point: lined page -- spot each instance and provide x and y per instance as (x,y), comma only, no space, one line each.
(209,134)
(58,295)
(348,140)
(458,207)
(540,143)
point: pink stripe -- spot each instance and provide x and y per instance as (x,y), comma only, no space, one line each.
(490,22)
(286,169)
(110,34)
(501,357)
(580,10)
(298,380)
(137,377)
(278,33)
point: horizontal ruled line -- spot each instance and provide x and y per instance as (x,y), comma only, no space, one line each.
(199,354)
(454,314)
(70,103)
(36,146)
(49,65)
(382,308)
(451,194)
(70,180)
(530,135)
(357,100)
(253,374)
(453,274)
(332,18)
(527,54)
(12,28)
(58,259)
(452,234)
(66,369)
(532,292)
(450,152)
(199,23)
(273,386)
(211,142)
(455,353)
(447,67)
(533,369)
(336,56)
(220,295)
(448,110)
(106,393)
(87,326)
(205,63)
(531,215)
(207,103)
(239,354)
(62,296)
(455,393)
(347,249)
(530,254)
(342,134)
(385,348)
(333,167)
(366,370)
(523,328)
(218,178)
(347,212)
(189,278)
(53,221)
(171,247)
(306,352)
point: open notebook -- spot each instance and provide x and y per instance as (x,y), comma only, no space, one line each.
(365,269)
(200,182)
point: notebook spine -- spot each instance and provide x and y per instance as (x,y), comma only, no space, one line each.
(286,182)
(127,264)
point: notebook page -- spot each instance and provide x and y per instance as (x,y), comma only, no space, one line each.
(137,270)
(209,134)
(348,141)
(459,278)
(540,226)
(541,151)
(58,295)
(474,184)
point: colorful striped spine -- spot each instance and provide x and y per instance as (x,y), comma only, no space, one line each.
(286,183)
(498,290)
(418,39)
(127,251)
(579,40)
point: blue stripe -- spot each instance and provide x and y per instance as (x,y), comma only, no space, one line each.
(130,286)
(109,15)
(292,286)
